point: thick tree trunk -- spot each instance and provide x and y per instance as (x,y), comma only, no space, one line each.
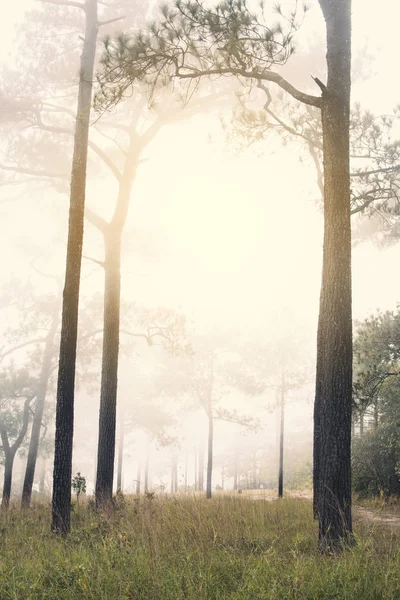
(109,372)
(210,454)
(333,398)
(61,502)
(120,452)
(8,469)
(39,408)
(201,469)
(281,438)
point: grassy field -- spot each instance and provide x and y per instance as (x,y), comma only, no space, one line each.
(190,548)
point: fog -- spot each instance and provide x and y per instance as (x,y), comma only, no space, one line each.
(221,261)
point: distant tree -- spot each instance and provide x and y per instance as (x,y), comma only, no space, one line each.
(17,392)
(78,485)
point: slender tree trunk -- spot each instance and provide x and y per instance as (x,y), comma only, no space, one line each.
(109,372)
(120,451)
(42,478)
(61,503)
(8,469)
(333,398)
(361,423)
(201,468)
(186,473)
(138,480)
(281,437)
(39,408)
(210,454)
(376,415)
(112,233)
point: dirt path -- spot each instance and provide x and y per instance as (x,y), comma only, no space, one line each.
(386,519)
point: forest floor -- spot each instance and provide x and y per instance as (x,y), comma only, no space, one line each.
(188,548)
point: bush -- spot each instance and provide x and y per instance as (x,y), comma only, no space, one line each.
(376,464)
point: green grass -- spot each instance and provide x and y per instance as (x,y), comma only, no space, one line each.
(229,548)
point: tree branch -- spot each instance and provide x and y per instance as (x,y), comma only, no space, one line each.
(65,3)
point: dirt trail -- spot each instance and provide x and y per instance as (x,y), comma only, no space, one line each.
(386,519)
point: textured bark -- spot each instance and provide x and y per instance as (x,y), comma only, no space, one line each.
(61,502)
(39,408)
(8,469)
(281,438)
(332,412)
(210,454)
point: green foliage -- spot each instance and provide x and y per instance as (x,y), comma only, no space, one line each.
(79,485)
(228,548)
(376,464)
(190,39)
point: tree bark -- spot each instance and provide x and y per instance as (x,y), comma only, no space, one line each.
(61,502)
(210,454)
(281,437)
(39,408)
(333,398)
(8,468)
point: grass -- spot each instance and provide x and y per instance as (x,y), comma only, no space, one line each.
(229,548)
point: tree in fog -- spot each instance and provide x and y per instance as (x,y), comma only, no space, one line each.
(17,392)
(191,41)
(118,144)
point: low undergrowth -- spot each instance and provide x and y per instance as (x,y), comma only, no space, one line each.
(227,548)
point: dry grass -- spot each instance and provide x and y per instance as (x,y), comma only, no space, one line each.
(189,548)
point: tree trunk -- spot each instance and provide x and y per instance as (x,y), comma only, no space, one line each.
(138,480)
(109,372)
(333,398)
(281,438)
(39,408)
(201,469)
(42,478)
(120,452)
(61,502)
(361,423)
(8,468)
(112,233)
(210,454)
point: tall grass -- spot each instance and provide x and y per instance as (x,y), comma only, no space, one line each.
(190,548)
